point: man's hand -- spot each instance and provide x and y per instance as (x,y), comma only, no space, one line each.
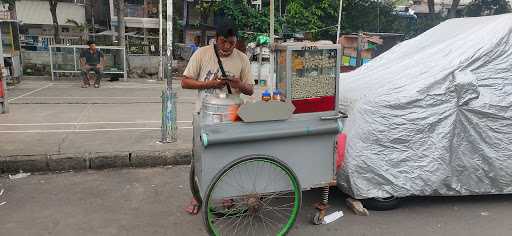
(215,84)
(235,83)
(245,88)
(85,67)
(99,66)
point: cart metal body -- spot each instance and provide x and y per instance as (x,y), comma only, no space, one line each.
(303,145)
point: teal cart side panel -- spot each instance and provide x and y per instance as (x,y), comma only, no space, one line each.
(310,157)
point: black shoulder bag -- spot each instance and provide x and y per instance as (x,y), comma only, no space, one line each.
(221,67)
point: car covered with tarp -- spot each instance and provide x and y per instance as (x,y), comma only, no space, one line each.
(433,115)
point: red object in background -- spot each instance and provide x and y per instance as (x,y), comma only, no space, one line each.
(310,105)
(340,151)
(345,69)
(1,89)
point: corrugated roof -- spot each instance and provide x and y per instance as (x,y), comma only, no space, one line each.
(38,12)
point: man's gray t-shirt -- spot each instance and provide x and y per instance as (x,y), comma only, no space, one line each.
(91,58)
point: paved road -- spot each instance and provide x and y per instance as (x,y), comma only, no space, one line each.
(151,201)
(59,117)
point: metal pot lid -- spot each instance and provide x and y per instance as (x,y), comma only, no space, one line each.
(223,100)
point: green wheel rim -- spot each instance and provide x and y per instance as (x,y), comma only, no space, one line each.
(211,213)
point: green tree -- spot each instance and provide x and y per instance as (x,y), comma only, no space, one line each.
(320,17)
(206,8)
(487,7)
(84,28)
(10,2)
(56,28)
(245,17)
(312,16)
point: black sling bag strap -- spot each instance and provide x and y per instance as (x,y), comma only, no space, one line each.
(221,67)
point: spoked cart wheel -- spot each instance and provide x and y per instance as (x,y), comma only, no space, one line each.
(256,195)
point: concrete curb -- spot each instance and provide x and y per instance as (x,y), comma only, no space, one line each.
(76,161)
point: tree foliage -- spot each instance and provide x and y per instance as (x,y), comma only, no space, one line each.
(487,7)
(10,2)
(319,17)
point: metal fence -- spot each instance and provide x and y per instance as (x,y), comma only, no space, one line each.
(66,59)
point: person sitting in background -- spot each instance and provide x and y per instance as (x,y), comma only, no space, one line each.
(92,59)
(196,44)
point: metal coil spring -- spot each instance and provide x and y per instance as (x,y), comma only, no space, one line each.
(325,195)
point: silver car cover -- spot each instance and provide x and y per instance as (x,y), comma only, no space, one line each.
(432,116)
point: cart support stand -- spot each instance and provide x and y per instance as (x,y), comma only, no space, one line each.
(322,207)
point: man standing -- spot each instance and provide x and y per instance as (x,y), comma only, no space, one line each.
(91,59)
(203,71)
(203,74)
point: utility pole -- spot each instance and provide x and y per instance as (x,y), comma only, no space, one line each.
(120,23)
(271,79)
(160,40)
(339,22)
(169,128)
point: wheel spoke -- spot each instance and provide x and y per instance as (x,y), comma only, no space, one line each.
(252,197)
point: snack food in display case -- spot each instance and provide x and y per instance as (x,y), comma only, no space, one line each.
(307,74)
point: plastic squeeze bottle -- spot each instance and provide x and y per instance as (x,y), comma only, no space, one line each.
(265,96)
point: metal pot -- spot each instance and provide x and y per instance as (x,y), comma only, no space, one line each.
(219,108)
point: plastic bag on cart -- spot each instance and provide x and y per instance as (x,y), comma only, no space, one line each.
(433,115)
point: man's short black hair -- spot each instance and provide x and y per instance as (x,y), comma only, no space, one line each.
(90,42)
(226,32)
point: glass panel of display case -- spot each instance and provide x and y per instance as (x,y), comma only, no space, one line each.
(313,73)
(281,79)
(313,80)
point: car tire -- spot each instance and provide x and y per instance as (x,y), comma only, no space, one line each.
(382,204)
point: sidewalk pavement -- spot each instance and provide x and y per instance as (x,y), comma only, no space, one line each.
(56,125)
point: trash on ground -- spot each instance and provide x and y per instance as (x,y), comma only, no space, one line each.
(19,175)
(485,213)
(1,192)
(2,203)
(332,217)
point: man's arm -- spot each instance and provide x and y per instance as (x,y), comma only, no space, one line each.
(102,61)
(189,83)
(82,63)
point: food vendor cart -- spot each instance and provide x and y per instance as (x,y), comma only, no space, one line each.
(249,174)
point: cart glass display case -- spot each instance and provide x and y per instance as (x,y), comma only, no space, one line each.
(307,74)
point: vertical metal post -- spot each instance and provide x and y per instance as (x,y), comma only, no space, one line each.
(169,128)
(339,23)
(260,61)
(160,41)
(169,44)
(125,69)
(271,79)
(51,60)
(378,16)
(280,8)
(74,57)
(3,79)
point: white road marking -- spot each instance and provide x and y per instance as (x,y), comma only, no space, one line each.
(179,98)
(91,123)
(84,130)
(34,91)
